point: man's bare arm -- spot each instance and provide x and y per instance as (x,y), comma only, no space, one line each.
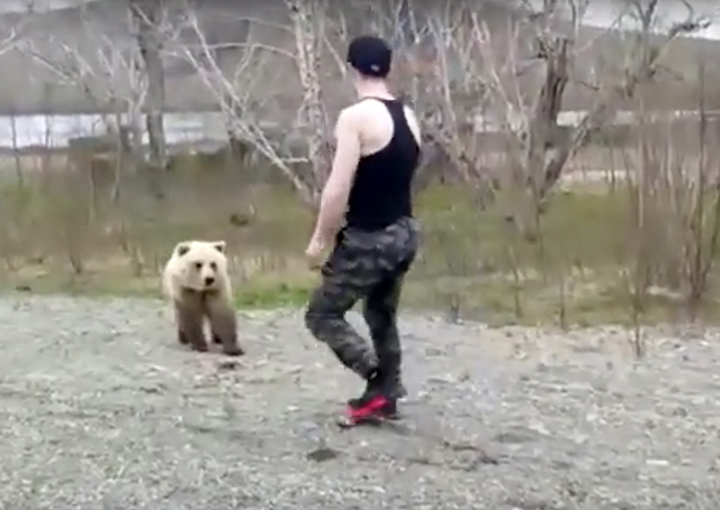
(335,195)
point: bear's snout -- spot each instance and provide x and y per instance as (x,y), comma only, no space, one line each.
(209,280)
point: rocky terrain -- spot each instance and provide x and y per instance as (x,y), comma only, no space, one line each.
(100,408)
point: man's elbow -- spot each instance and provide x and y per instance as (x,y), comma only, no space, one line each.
(334,196)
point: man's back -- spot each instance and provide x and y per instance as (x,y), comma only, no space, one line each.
(390,150)
(375,124)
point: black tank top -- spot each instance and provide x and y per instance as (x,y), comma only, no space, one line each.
(381,192)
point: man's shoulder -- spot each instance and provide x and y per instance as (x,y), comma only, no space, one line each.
(353,115)
(361,110)
(355,110)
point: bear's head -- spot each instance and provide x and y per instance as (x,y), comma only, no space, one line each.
(203,264)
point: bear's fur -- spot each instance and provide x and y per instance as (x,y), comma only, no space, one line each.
(196,280)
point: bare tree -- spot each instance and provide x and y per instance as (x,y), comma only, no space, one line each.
(546,153)
(675,206)
(308,27)
(10,39)
(526,72)
(458,94)
(151,27)
(701,246)
(238,85)
(9,42)
(111,77)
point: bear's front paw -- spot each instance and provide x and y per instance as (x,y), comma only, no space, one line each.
(233,351)
(200,347)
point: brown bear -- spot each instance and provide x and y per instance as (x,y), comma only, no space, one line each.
(196,280)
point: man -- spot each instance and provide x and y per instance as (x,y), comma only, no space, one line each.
(378,149)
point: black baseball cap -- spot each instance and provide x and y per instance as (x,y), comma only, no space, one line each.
(370,55)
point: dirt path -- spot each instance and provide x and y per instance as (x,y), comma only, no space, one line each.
(100,409)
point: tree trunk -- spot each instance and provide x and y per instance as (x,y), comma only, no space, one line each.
(544,124)
(148,17)
(305,15)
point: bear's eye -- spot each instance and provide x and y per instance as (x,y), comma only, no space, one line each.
(198,265)
(213,266)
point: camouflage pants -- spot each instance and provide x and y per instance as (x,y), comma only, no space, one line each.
(370,266)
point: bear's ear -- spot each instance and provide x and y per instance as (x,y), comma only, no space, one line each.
(182,249)
(220,246)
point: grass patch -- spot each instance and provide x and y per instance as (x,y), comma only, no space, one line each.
(467,261)
(289,287)
(263,297)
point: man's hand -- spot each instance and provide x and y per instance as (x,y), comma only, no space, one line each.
(314,252)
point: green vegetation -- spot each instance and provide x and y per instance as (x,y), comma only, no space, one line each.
(473,261)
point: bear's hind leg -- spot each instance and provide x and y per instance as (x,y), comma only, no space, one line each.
(189,311)
(223,325)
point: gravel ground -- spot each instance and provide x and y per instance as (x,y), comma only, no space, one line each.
(101,409)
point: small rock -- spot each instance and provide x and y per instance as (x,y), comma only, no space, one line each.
(323,454)
(441,379)
(538,427)
(228,365)
(600,386)
(562,464)
(680,411)
(263,379)
(152,389)
(586,348)
(516,436)
(580,439)
(433,352)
